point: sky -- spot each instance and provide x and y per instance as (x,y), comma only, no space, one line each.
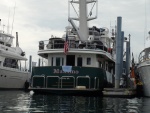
(37,20)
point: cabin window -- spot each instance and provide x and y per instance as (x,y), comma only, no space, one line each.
(62,61)
(52,62)
(88,61)
(12,63)
(100,64)
(103,65)
(106,67)
(59,61)
(79,61)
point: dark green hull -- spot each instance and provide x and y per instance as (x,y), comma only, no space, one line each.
(81,80)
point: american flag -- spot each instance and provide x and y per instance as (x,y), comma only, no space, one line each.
(66,45)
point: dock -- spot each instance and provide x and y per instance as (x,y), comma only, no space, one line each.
(119,92)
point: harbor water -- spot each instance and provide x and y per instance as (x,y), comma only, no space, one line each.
(27,102)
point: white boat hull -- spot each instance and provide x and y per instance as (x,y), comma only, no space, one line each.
(13,78)
(144,71)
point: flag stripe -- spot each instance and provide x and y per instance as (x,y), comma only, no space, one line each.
(66,45)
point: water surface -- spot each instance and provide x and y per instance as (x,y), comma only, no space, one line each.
(23,102)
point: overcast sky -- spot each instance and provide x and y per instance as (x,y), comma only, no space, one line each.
(36,20)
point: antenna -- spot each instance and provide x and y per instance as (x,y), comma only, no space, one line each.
(17,43)
(0,22)
(13,17)
(145,30)
(8,21)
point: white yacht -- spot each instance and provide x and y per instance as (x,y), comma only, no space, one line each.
(144,69)
(12,75)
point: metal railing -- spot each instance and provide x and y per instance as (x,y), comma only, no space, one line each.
(59,44)
(143,58)
(59,83)
(84,77)
(66,77)
(38,76)
(96,83)
(52,77)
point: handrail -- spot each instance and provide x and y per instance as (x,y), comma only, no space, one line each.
(68,77)
(144,58)
(39,76)
(52,77)
(83,77)
(96,82)
(44,45)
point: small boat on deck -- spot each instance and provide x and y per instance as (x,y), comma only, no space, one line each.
(80,63)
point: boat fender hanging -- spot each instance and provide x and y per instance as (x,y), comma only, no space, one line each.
(26,85)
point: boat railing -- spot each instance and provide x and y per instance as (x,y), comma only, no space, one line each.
(144,58)
(6,39)
(144,55)
(73,44)
(58,82)
(83,77)
(96,83)
(37,80)
(67,77)
(42,81)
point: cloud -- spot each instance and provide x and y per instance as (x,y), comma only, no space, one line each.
(36,20)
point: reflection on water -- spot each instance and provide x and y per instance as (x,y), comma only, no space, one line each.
(21,102)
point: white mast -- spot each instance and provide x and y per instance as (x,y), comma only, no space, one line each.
(83,27)
(83,17)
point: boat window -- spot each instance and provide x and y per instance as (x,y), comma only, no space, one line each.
(88,61)
(100,64)
(103,65)
(59,61)
(12,63)
(52,62)
(79,61)
(106,67)
(62,61)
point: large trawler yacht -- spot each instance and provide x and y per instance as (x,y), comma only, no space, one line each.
(80,62)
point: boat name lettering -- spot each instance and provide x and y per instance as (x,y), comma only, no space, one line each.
(61,71)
